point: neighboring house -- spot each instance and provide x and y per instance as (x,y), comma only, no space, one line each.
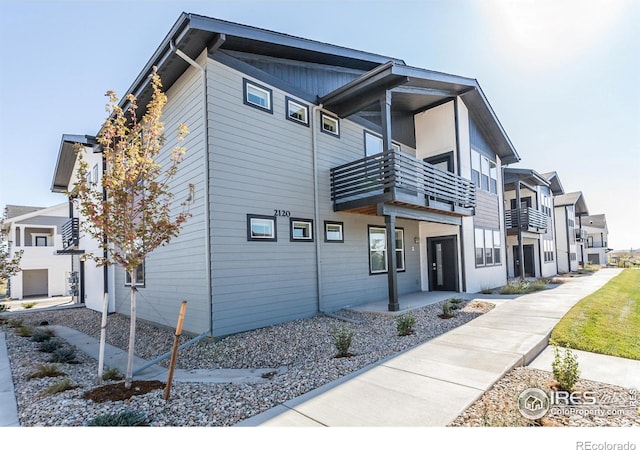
(38,232)
(91,282)
(531,225)
(570,237)
(597,239)
(323,177)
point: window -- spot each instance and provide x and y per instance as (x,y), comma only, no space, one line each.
(330,125)
(297,112)
(257,96)
(333,231)
(484,172)
(488,247)
(41,241)
(140,279)
(373,144)
(301,230)
(547,247)
(95,174)
(261,228)
(378,250)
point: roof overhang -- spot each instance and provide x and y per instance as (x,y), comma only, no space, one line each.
(527,176)
(414,90)
(554,183)
(192,33)
(67,159)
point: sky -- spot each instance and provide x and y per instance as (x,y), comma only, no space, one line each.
(561,76)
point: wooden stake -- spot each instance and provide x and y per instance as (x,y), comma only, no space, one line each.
(174,352)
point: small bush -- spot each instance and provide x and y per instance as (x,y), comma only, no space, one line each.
(447,309)
(523,287)
(405,324)
(111,373)
(28,305)
(565,368)
(42,335)
(486,290)
(46,370)
(4,307)
(25,331)
(15,322)
(64,355)
(60,386)
(124,419)
(50,346)
(342,338)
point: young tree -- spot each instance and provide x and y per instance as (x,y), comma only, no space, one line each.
(132,214)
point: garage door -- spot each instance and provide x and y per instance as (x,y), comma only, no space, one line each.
(35,283)
(594,258)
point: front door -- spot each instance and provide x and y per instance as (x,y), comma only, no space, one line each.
(443,263)
(528,260)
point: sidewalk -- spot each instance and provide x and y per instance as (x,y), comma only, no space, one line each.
(430,385)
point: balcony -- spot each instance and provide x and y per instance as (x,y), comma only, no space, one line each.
(530,220)
(581,235)
(70,234)
(393,177)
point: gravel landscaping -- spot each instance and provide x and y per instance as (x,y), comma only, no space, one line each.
(305,347)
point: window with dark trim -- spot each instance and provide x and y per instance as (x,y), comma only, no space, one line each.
(330,125)
(484,172)
(301,230)
(261,228)
(41,241)
(333,231)
(378,250)
(296,111)
(488,247)
(257,96)
(140,276)
(547,246)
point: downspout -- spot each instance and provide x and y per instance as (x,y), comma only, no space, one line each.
(566,221)
(316,206)
(205,120)
(458,171)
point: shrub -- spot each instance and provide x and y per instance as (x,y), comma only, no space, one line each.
(128,418)
(405,324)
(60,386)
(342,337)
(15,322)
(25,331)
(50,346)
(4,307)
(523,287)
(64,355)
(486,290)
(447,309)
(111,373)
(28,305)
(46,370)
(565,368)
(42,335)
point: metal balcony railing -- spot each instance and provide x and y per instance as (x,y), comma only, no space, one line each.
(395,177)
(70,234)
(530,220)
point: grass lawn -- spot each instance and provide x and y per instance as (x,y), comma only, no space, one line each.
(607,321)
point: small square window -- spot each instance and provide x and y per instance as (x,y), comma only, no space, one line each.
(140,280)
(297,112)
(330,125)
(301,230)
(261,228)
(333,231)
(257,96)
(41,241)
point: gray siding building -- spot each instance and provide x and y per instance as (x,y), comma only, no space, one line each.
(322,177)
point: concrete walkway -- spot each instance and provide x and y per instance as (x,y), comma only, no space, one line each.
(431,384)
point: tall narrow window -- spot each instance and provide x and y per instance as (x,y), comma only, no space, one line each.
(479,234)
(497,257)
(475,168)
(488,247)
(378,250)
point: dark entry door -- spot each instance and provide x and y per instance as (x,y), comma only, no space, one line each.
(443,263)
(528,260)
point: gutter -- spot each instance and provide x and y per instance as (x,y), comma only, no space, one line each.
(316,200)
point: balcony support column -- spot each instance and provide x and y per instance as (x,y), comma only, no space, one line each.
(519,222)
(392,274)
